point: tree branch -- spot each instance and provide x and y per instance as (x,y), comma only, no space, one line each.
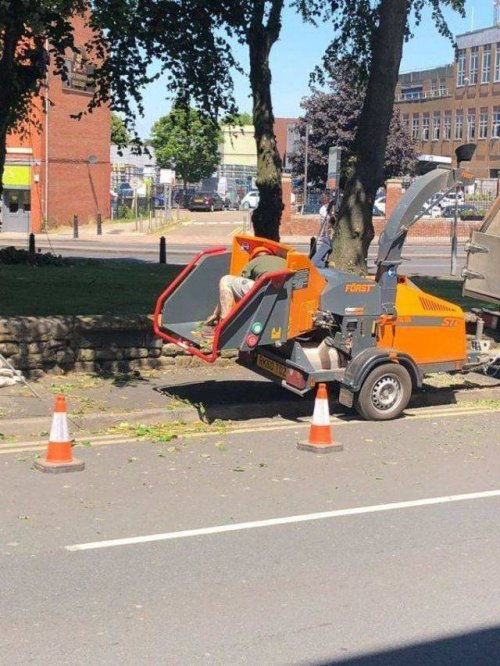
(273,27)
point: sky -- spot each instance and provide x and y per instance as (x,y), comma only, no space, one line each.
(301,47)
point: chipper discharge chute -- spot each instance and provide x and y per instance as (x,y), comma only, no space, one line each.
(375,336)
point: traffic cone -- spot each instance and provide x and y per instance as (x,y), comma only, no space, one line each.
(59,457)
(320,433)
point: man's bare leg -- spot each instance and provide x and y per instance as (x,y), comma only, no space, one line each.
(226,296)
(226,302)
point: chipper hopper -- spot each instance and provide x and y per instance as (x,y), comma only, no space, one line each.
(482,273)
(376,337)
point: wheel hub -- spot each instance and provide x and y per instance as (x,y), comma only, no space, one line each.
(386,392)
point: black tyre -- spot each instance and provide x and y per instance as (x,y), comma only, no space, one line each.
(385,393)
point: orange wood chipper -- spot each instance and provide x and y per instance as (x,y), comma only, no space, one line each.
(376,336)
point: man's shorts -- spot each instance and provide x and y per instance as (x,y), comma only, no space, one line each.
(240,286)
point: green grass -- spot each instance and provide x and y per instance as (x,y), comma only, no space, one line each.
(92,287)
(88,287)
(450,289)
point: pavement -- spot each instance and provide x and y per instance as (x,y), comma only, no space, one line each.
(185,227)
(185,238)
(236,548)
(210,394)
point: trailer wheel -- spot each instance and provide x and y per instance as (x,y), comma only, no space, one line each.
(385,393)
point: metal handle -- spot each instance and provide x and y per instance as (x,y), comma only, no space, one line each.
(467,274)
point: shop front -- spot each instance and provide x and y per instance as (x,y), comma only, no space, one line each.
(16,198)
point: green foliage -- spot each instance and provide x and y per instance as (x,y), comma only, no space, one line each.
(124,212)
(188,139)
(332,116)
(12,256)
(119,133)
(238,119)
(355,24)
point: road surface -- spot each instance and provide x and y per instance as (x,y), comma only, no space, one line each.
(418,259)
(383,554)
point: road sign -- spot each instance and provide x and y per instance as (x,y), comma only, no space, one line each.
(334,162)
(135,182)
(167,177)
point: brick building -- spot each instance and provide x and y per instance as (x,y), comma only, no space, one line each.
(460,102)
(287,139)
(64,170)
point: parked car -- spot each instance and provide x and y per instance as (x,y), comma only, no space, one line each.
(377,212)
(123,190)
(231,200)
(451,198)
(380,203)
(465,212)
(250,200)
(206,201)
(181,199)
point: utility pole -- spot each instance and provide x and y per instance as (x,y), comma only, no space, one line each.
(454,243)
(306,165)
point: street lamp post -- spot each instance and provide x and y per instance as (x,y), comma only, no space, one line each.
(306,164)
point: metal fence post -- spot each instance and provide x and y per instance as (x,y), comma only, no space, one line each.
(99,224)
(75,226)
(31,247)
(163,250)
(454,244)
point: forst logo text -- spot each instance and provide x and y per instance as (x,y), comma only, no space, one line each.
(359,288)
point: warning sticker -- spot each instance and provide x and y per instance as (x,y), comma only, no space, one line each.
(300,279)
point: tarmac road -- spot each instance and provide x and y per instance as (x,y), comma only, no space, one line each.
(405,585)
(418,259)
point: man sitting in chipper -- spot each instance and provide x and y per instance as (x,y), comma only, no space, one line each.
(232,288)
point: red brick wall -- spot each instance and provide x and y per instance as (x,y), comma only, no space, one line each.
(424,230)
(75,186)
(280,132)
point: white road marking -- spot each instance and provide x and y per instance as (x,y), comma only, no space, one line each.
(220,529)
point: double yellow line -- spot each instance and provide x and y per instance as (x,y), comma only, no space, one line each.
(266,426)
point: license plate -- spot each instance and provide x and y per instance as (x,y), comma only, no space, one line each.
(271,366)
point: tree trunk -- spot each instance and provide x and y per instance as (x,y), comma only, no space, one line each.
(354,232)
(266,217)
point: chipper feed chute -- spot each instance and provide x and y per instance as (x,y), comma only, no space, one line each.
(279,306)
(482,272)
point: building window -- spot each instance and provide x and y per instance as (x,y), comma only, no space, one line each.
(406,120)
(412,92)
(474,65)
(483,124)
(461,68)
(459,126)
(426,127)
(436,126)
(497,64)
(495,128)
(486,68)
(415,125)
(442,87)
(447,125)
(471,124)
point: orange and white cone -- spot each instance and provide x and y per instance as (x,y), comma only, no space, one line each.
(59,456)
(320,433)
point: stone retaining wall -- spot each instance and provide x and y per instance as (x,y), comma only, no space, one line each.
(102,344)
